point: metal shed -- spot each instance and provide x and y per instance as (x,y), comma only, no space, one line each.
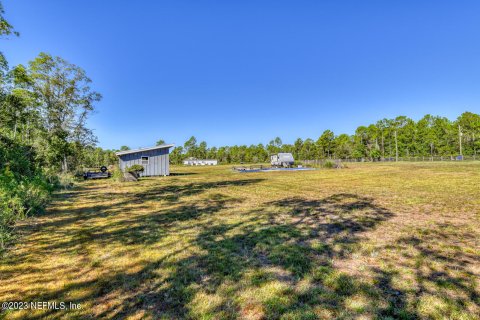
(155,160)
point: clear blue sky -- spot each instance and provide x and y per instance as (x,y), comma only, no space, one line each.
(242,72)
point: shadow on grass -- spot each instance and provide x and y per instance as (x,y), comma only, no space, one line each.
(135,228)
(443,270)
(174,193)
(278,261)
(182,173)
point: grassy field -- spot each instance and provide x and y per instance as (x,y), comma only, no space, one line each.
(388,241)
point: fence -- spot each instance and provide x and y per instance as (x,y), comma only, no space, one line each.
(405,159)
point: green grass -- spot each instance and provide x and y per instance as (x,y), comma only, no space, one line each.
(371,241)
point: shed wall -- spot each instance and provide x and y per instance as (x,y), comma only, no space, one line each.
(158,162)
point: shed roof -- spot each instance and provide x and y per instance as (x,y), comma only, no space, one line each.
(162,146)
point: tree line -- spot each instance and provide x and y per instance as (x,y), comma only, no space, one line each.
(430,136)
(44,106)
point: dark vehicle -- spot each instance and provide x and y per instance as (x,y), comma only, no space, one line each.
(100,173)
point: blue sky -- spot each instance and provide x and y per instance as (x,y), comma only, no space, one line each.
(243,72)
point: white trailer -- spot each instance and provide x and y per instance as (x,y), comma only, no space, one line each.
(282,160)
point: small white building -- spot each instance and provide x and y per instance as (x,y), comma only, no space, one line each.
(199,162)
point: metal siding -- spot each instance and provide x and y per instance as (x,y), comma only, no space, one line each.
(165,152)
(159,162)
(153,164)
(162,163)
(167,163)
(147,171)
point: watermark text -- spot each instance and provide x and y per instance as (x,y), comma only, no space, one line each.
(40,305)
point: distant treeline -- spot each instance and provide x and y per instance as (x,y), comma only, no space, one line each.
(431,136)
(387,138)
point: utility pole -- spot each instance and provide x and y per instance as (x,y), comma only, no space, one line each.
(460,139)
(396,147)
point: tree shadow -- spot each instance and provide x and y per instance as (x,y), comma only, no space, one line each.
(174,193)
(182,173)
(276,261)
(286,241)
(441,264)
(104,223)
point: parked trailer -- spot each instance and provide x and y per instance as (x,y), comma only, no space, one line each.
(282,160)
(102,173)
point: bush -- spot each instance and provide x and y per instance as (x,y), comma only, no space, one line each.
(330,164)
(136,168)
(117,174)
(24,188)
(66,180)
(20,198)
(78,174)
(134,172)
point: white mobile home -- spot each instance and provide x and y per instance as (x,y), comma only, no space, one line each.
(199,162)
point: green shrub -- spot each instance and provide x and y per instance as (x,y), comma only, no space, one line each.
(135,168)
(20,198)
(329,164)
(78,174)
(24,188)
(117,174)
(66,180)
(134,172)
